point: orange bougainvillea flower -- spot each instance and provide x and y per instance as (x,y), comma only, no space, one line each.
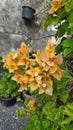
(34,71)
(49,52)
(38,57)
(50,49)
(55,6)
(22,56)
(46,86)
(58,73)
(22,80)
(58,59)
(42,82)
(22,53)
(34,75)
(23,50)
(44,59)
(55,70)
(10,62)
(31,103)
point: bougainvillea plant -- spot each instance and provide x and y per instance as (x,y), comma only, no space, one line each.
(37,72)
(45,75)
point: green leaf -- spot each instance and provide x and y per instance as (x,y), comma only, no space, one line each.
(67,43)
(60,32)
(59,48)
(66,75)
(67,120)
(70,17)
(68,5)
(50,20)
(20,112)
(70,106)
(68,112)
(62,84)
(65,25)
(45,124)
(64,97)
(67,127)
(67,51)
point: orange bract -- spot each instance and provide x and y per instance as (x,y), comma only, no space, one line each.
(50,49)
(23,50)
(46,86)
(31,103)
(22,80)
(11,63)
(55,6)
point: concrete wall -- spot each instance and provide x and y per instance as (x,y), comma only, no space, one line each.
(13,30)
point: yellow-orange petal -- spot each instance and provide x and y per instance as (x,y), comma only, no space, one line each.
(41,91)
(55,6)
(58,74)
(34,86)
(58,59)
(22,87)
(53,69)
(50,49)
(31,103)
(49,91)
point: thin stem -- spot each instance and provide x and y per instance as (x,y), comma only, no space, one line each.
(66,57)
(42,37)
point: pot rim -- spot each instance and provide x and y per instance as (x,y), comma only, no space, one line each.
(7,99)
(29,8)
(8,102)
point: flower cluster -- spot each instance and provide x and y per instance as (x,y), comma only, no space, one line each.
(36,71)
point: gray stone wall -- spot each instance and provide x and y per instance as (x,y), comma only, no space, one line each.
(13,30)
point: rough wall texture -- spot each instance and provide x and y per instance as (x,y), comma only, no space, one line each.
(13,30)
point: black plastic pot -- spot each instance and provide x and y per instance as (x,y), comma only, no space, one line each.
(28,13)
(8,101)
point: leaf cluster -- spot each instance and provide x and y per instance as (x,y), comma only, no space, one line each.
(8,87)
(63,22)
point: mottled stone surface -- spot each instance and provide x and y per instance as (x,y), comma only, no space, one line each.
(13,29)
(9,119)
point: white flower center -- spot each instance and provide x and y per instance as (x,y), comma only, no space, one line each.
(44,85)
(39,77)
(36,74)
(43,64)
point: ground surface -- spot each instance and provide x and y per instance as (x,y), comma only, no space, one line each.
(9,119)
